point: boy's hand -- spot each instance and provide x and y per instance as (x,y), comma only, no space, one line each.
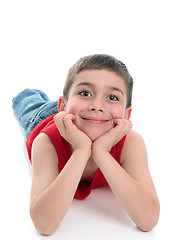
(68,130)
(109,139)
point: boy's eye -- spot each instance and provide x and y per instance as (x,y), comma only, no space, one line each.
(85,93)
(113,97)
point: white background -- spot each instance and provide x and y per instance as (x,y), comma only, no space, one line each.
(39,42)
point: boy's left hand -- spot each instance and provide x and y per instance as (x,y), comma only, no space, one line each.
(109,139)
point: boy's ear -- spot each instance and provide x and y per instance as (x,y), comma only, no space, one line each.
(61,104)
(128,113)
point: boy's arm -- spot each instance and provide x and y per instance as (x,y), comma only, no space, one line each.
(52,194)
(131,183)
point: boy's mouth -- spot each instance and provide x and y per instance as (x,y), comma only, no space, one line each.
(94,120)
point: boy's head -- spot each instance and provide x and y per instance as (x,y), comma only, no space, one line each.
(100,62)
(97,92)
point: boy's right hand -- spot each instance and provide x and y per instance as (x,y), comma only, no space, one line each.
(68,130)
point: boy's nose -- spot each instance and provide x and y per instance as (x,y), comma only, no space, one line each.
(97,106)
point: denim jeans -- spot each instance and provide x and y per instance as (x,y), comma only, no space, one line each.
(31,106)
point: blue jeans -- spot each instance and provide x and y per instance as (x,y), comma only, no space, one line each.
(31,106)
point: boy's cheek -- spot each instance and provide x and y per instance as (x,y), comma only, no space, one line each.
(73,107)
(119,114)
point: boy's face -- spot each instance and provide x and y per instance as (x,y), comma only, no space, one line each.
(96,98)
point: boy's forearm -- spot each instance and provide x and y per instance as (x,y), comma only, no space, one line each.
(53,203)
(140,204)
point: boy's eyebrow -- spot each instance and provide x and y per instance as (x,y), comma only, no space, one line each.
(117,89)
(85,84)
(93,86)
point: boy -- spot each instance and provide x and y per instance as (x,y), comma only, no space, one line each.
(88,144)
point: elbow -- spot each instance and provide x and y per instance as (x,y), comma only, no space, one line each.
(45,230)
(149,221)
(147,226)
(43,225)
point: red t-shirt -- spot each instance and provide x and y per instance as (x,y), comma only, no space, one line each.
(64,153)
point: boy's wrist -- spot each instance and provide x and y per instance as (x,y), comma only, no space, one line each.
(99,154)
(86,150)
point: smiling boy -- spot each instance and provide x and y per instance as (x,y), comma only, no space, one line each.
(92,143)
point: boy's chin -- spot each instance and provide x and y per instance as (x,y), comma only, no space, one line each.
(94,136)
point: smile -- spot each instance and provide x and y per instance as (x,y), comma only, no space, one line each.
(95,120)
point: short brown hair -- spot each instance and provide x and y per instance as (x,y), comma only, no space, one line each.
(98,62)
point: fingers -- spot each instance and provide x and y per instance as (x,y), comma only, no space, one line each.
(68,120)
(64,120)
(68,130)
(123,123)
(59,120)
(122,127)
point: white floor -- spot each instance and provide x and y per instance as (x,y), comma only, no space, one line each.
(39,42)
